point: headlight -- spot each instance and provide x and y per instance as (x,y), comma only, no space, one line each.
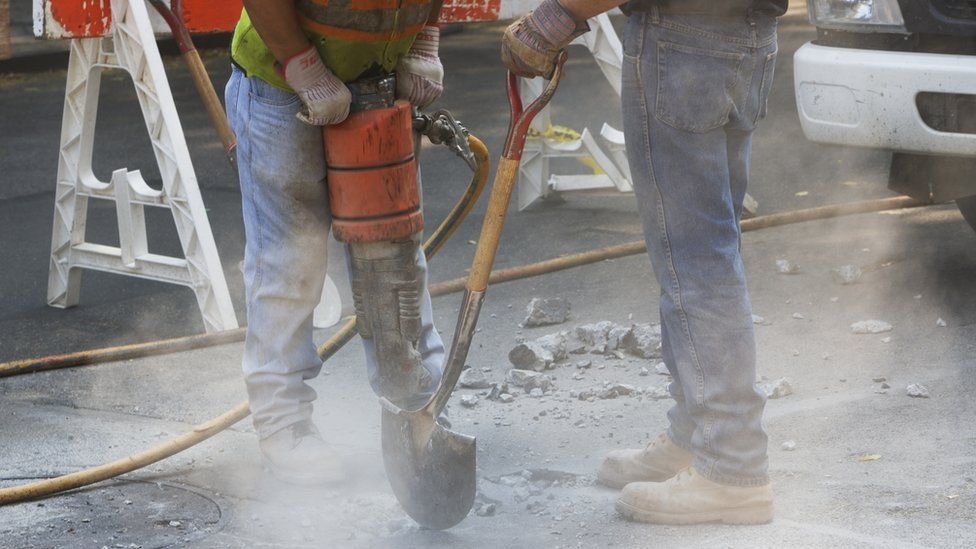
(857,15)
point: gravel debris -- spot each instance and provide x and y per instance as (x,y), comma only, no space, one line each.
(778,389)
(546,311)
(469,401)
(788,446)
(917,390)
(870,327)
(473,378)
(799,316)
(505,398)
(528,380)
(531,356)
(847,274)
(760,321)
(643,340)
(657,393)
(644,372)
(941,323)
(786,267)
(661,369)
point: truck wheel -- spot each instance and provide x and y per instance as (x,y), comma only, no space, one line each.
(968,208)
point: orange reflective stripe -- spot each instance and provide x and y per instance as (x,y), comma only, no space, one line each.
(359,36)
(370,20)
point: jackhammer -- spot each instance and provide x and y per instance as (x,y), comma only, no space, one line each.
(375,198)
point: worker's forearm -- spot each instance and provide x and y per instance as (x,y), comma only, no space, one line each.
(585,9)
(277,24)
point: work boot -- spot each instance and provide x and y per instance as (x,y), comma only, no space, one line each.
(297,454)
(661,460)
(689,498)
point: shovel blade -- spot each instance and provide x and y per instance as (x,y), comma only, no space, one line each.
(431,469)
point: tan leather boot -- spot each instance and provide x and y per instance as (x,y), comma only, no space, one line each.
(689,498)
(661,460)
(297,454)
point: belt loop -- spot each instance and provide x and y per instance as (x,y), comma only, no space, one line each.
(655,13)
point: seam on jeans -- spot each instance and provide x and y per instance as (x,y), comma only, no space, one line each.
(700,33)
(259,238)
(640,39)
(763,101)
(672,271)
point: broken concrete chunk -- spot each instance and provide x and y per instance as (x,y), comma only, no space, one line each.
(536,393)
(556,343)
(584,364)
(870,327)
(469,401)
(941,323)
(644,372)
(531,356)
(847,274)
(657,393)
(662,369)
(643,340)
(788,446)
(616,390)
(917,390)
(505,398)
(778,389)
(473,378)
(546,311)
(528,380)
(786,267)
(497,390)
(616,336)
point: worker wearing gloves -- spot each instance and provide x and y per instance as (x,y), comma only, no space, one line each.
(696,76)
(292,61)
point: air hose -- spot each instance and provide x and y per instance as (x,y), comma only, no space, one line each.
(220,423)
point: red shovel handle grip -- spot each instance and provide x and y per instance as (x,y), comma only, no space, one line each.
(522,117)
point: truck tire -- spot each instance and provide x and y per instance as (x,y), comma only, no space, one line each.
(968,208)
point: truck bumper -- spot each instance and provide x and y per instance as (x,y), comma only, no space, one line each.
(866,98)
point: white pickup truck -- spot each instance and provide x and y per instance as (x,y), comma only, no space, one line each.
(898,75)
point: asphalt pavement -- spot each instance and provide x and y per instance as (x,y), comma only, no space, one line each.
(871,465)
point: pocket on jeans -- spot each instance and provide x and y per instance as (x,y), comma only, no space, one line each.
(694,86)
(769,69)
(266,94)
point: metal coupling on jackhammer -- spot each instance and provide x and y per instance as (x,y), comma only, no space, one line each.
(443,129)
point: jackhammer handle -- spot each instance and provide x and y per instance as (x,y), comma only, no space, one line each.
(506,175)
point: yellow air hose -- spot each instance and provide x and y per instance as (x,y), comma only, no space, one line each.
(209,428)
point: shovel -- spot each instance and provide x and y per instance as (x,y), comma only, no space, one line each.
(432,469)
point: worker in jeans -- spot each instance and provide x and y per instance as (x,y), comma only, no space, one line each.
(696,77)
(292,61)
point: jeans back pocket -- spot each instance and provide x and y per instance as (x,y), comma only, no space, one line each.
(695,85)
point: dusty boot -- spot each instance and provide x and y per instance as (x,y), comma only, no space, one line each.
(689,498)
(298,455)
(661,460)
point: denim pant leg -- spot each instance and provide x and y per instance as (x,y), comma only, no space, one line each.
(689,181)
(287,223)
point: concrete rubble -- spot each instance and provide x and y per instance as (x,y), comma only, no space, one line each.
(846,274)
(870,327)
(546,311)
(473,378)
(787,267)
(778,389)
(917,390)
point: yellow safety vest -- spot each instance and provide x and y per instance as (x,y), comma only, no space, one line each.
(352,36)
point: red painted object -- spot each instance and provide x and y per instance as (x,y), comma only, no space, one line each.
(92,18)
(372,176)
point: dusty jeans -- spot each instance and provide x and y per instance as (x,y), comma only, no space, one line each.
(287,223)
(694,87)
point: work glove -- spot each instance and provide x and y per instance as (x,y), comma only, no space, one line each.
(420,75)
(531,44)
(325,99)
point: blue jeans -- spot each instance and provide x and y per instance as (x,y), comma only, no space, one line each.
(287,223)
(694,87)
